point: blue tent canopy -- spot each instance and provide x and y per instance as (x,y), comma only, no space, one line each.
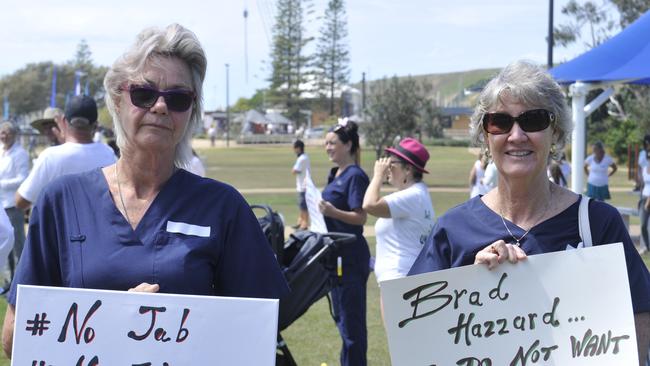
(625,57)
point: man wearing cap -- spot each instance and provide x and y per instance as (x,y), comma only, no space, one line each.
(78,154)
(48,125)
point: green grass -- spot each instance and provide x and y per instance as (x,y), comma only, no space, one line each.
(313,339)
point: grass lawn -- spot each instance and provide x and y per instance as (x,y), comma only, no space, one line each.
(313,339)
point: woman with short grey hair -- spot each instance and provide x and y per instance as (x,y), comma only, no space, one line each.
(150,44)
(143,223)
(522,120)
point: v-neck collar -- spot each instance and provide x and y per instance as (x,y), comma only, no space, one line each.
(148,225)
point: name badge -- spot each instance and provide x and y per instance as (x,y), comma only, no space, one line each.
(188,229)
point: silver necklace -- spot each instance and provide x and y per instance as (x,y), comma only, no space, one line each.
(518,240)
(119,191)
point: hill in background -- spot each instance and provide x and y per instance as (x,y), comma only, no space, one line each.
(455,89)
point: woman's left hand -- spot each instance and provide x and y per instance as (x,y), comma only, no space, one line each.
(145,287)
(326,208)
(499,252)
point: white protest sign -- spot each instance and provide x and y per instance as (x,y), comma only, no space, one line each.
(313,196)
(64,326)
(563,308)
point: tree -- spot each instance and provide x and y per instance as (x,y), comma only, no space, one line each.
(332,55)
(594,17)
(630,10)
(396,109)
(288,60)
(28,89)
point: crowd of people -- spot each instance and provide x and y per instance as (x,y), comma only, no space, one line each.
(153,194)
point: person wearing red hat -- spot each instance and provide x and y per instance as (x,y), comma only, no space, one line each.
(406,216)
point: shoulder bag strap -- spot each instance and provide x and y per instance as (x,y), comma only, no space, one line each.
(583,221)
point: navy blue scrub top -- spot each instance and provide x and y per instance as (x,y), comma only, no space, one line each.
(469,227)
(346,193)
(78,238)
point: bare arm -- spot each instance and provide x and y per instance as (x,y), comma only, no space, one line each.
(472,176)
(373,203)
(356,217)
(642,325)
(614,169)
(8,330)
(21,202)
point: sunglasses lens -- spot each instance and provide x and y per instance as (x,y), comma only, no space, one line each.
(530,121)
(179,100)
(534,120)
(143,97)
(497,123)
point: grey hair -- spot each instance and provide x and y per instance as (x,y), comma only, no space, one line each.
(9,127)
(172,41)
(532,86)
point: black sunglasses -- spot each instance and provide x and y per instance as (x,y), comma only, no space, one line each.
(530,121)
(177,100)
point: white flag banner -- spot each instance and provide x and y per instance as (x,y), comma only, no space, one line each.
(313,197)
(562,308)
(83,327)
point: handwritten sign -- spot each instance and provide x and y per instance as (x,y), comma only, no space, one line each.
(64,326)
(563,308)
(313,196)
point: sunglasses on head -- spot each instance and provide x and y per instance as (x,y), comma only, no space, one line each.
(530,121)
(177,100)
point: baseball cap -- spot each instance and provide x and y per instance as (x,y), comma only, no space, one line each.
(81,106)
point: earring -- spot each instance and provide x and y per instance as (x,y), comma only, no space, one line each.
(404,180)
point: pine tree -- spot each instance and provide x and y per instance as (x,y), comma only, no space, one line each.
(288,60)
(332,55)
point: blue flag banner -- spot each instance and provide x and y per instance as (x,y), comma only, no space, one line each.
(5,108)
(53,93)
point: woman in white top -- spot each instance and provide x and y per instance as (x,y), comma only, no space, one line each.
(406,217)
(476,176)
(597,168)
(645,206)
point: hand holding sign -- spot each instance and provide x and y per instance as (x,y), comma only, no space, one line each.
(547,310)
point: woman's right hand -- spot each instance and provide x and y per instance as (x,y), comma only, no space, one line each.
(499,252)
(145,287)
(646,205)
(381,168)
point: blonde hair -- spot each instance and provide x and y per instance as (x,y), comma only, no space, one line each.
(172,41)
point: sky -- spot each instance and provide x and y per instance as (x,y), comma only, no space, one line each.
(385,37)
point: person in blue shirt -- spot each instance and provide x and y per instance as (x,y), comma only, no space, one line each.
(145,223)
(342,208)
(522,121)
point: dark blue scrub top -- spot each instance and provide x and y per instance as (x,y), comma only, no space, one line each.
(466,229)
(78,238)
(346,193)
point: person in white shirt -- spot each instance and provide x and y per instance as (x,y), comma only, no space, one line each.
(597,167)
(78,154)
(300,169)
(476,175)
(406,216)
(491,177)
(14,168)
(644,207)
(642,162)
(196,165)
(6,241)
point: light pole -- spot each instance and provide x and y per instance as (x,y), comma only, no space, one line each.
(550,34)
(227,106)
